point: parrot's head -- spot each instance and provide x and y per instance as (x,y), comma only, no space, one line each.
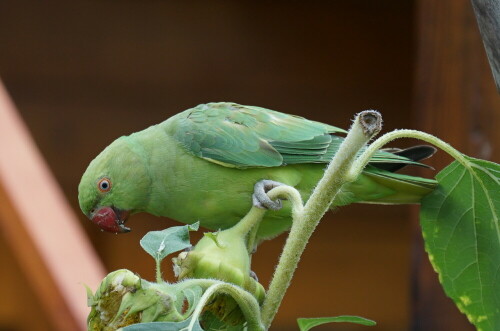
(116,183)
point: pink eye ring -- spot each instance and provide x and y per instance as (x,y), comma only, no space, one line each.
(104,185)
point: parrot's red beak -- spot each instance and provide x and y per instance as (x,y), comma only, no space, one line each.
(110,219)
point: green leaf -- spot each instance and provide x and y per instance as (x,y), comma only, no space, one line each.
(306,324)
(212,322)
(192,295)
(461,230)
(213,236)
(159,244)
(163,326)
(90,296)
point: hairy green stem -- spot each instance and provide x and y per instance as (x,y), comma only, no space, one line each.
(365,126)
(364,158)
(252,236)
(284,192)
(289,193)
(248,226)
(247,223)
(159,279)
(192,282)
(247,303)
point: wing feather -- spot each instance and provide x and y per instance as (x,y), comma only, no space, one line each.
(246,136)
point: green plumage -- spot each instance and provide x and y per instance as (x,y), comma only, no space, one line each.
(202,164)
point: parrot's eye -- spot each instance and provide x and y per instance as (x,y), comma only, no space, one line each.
(104,185)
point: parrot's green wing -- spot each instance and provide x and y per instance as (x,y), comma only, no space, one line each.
(245,136)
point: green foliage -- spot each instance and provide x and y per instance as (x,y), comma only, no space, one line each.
(223,255)
(462,237)
(164,326)
(212,322)
(192,295)
(305,324)
(124,299)
(159,244)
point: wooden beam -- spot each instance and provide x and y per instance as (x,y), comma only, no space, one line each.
(455,99)
(41,228)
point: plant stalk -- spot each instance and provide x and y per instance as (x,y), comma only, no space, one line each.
(248,304)
(365,126)
(364,158)
(248,222)
(283,192)
(159,279)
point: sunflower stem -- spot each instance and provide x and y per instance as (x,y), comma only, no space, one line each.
(247,303)
(364,158)
(366,125)
(159,279)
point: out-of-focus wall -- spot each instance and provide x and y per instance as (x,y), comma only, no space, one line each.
(82,73)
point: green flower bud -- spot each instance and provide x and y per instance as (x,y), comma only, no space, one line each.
(224,256)
(124,299)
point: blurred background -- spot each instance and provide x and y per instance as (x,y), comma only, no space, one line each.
(83,73)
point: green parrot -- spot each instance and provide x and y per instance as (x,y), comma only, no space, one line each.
(202,165)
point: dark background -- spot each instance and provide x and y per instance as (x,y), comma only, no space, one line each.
(83,73)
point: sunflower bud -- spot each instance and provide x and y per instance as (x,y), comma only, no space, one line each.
(124,299)
(224,256)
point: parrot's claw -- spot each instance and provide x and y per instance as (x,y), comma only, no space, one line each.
(261,199)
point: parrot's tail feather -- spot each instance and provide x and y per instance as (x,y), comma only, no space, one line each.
(407,189)
(378,186)
(415,153)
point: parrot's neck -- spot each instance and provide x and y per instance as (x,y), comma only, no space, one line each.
(166,162)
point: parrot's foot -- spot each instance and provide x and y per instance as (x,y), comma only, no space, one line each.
(261,199)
